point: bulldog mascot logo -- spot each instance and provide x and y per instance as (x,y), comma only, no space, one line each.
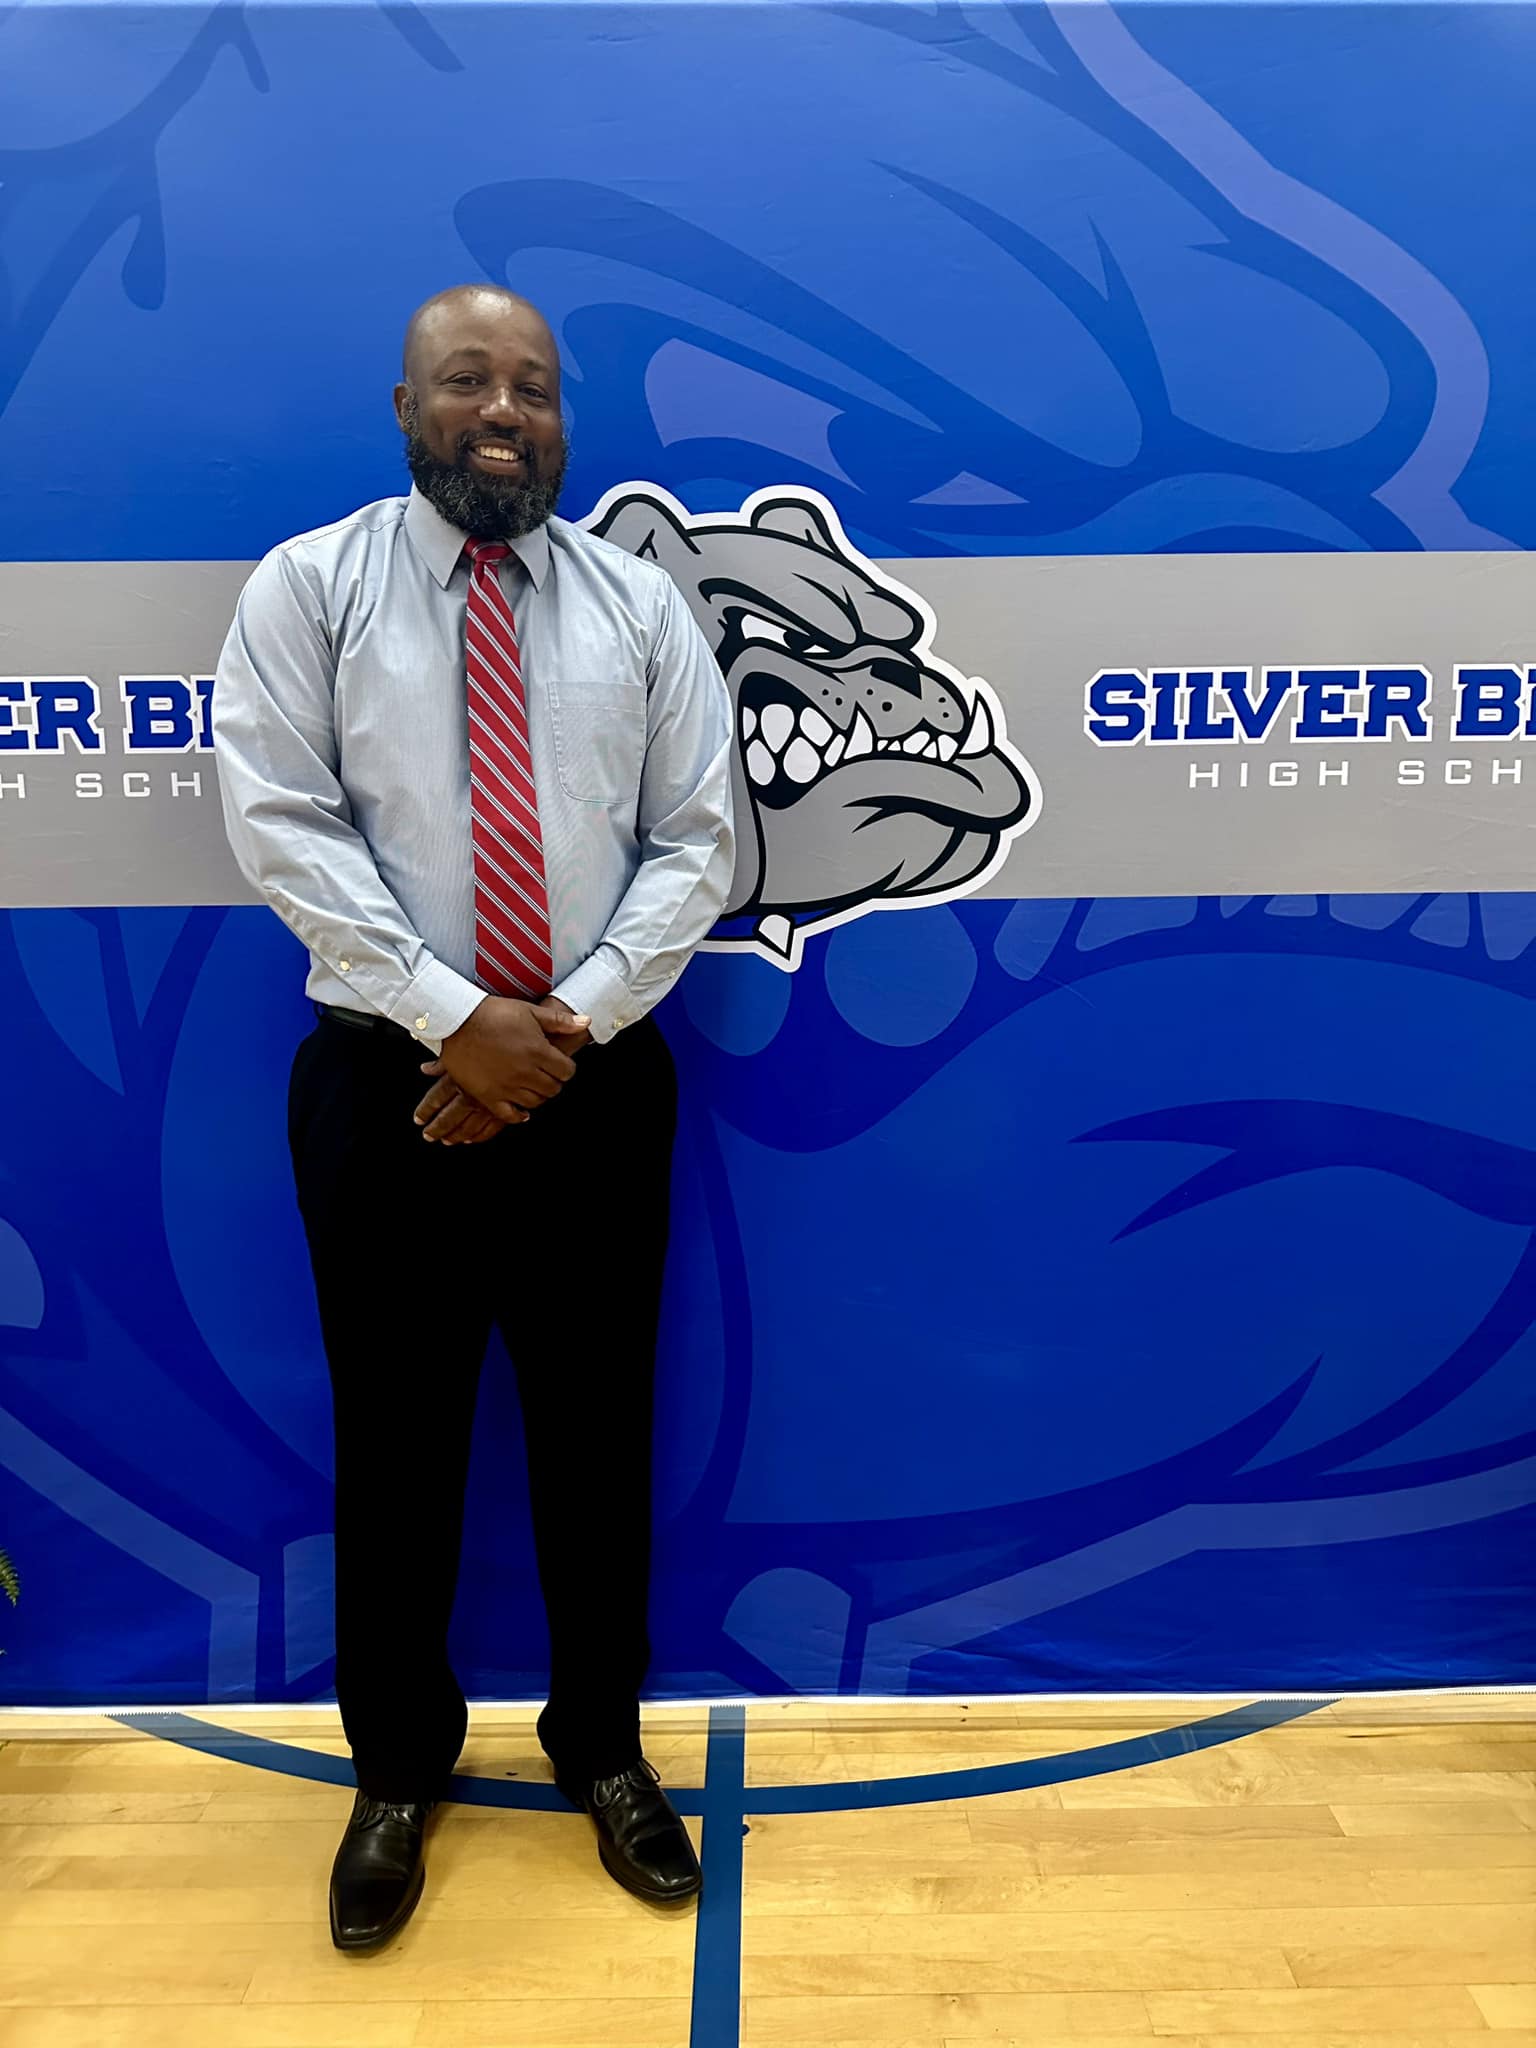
(869,774)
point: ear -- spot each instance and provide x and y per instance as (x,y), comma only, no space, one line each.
(794,519)
(642,526)
(402,393)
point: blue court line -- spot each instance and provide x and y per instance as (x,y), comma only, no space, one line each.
(724,1803)
(716,2018)
(1070,1765)
(263,1754)
(289,1761)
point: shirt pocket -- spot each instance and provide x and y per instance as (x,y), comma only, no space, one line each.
(599,739)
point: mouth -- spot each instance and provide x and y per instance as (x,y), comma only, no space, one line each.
(788,745)
(496,458)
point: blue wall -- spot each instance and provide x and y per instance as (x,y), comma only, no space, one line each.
(1118,1294)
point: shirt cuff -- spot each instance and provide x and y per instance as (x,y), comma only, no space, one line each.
(435,1004)
(594,990)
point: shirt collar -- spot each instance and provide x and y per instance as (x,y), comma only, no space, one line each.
(440,544)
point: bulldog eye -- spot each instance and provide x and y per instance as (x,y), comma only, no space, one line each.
(754,628)
(771,633)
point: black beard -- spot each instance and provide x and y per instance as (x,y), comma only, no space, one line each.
(483,506)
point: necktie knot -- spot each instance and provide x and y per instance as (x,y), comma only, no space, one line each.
(486,552)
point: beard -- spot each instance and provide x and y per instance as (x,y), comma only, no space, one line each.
(485,507)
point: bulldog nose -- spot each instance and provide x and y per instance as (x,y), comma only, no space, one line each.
(899,675)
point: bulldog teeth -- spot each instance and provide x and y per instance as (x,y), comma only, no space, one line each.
(780,744)
(802,763)
(979,737)
(778,724)
(861,738)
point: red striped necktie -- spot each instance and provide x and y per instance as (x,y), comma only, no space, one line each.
(513,956)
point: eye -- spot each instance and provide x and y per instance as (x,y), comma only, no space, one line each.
(754,628)
(771,633)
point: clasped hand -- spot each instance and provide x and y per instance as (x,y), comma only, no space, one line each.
(507,1059)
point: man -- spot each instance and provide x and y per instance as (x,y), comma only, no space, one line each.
(478,761)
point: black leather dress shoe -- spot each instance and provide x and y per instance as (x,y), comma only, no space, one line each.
(379,1871)
(642,1843)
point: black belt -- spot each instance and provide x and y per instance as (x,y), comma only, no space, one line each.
(363,1020)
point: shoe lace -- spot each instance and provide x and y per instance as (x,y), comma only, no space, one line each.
(373,1813)
(642,1776)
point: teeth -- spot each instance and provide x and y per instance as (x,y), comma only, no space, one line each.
(772,742)
(978,734)
(778,724)
(802,763)
(499,454)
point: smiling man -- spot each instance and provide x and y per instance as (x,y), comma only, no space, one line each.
(477,760)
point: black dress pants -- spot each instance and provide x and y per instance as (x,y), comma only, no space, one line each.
(556,1231)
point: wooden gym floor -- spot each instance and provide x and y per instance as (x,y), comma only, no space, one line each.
(1361,1872)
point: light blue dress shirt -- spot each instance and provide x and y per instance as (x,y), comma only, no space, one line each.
(341,735)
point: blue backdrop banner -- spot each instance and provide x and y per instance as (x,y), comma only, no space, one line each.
(1105,1261)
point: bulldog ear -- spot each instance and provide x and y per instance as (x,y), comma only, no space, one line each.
(795,519)
(643,526)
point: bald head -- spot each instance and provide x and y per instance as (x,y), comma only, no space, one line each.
(446,314)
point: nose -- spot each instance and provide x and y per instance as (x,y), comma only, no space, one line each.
(501,406)
(899,675)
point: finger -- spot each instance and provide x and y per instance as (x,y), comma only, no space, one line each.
(435,1100)
(535,1093)
(534,1090)
(509,1113)
(552,1018)
(451,1120)
(434,1067)
(479,1124)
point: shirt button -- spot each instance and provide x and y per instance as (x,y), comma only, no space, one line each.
(421,1023)
(343,966)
